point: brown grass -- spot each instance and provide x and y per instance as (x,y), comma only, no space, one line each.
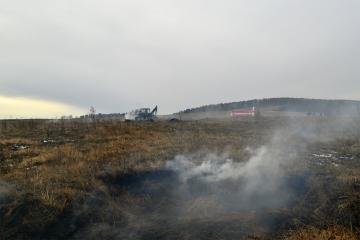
(56,173)
(330,233)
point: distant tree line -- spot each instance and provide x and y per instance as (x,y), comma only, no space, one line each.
(325,107)
(103,116)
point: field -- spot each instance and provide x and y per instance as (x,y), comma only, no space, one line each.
(264,178)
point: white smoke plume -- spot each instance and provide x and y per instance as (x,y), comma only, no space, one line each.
(255,183)
(262,180)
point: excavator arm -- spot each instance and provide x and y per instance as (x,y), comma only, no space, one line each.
(154,111)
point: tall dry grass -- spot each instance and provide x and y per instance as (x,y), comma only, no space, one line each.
(330,233)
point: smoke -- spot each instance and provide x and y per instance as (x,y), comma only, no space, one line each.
(261,181)
(271,176)
(214,168)
(196,195)
(195,191)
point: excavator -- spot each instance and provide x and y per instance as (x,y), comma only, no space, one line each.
(142,114)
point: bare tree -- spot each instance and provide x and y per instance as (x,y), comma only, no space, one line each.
(92,113)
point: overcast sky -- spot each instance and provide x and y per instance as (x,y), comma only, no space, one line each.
(118,55)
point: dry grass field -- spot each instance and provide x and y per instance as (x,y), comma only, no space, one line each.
(78,180)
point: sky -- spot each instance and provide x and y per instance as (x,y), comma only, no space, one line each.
(59,57)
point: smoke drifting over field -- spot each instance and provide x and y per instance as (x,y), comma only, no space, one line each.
(196,196)
(261,181)
(197,188)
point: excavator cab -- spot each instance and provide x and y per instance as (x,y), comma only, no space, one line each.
(142,114)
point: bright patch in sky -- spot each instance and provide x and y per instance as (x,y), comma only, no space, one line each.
(14,107)
(123,55)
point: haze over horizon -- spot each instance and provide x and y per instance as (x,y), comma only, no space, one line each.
(61,57)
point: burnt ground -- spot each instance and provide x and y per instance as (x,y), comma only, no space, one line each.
(110,182)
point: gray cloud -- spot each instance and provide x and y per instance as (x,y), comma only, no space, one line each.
(118,55)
